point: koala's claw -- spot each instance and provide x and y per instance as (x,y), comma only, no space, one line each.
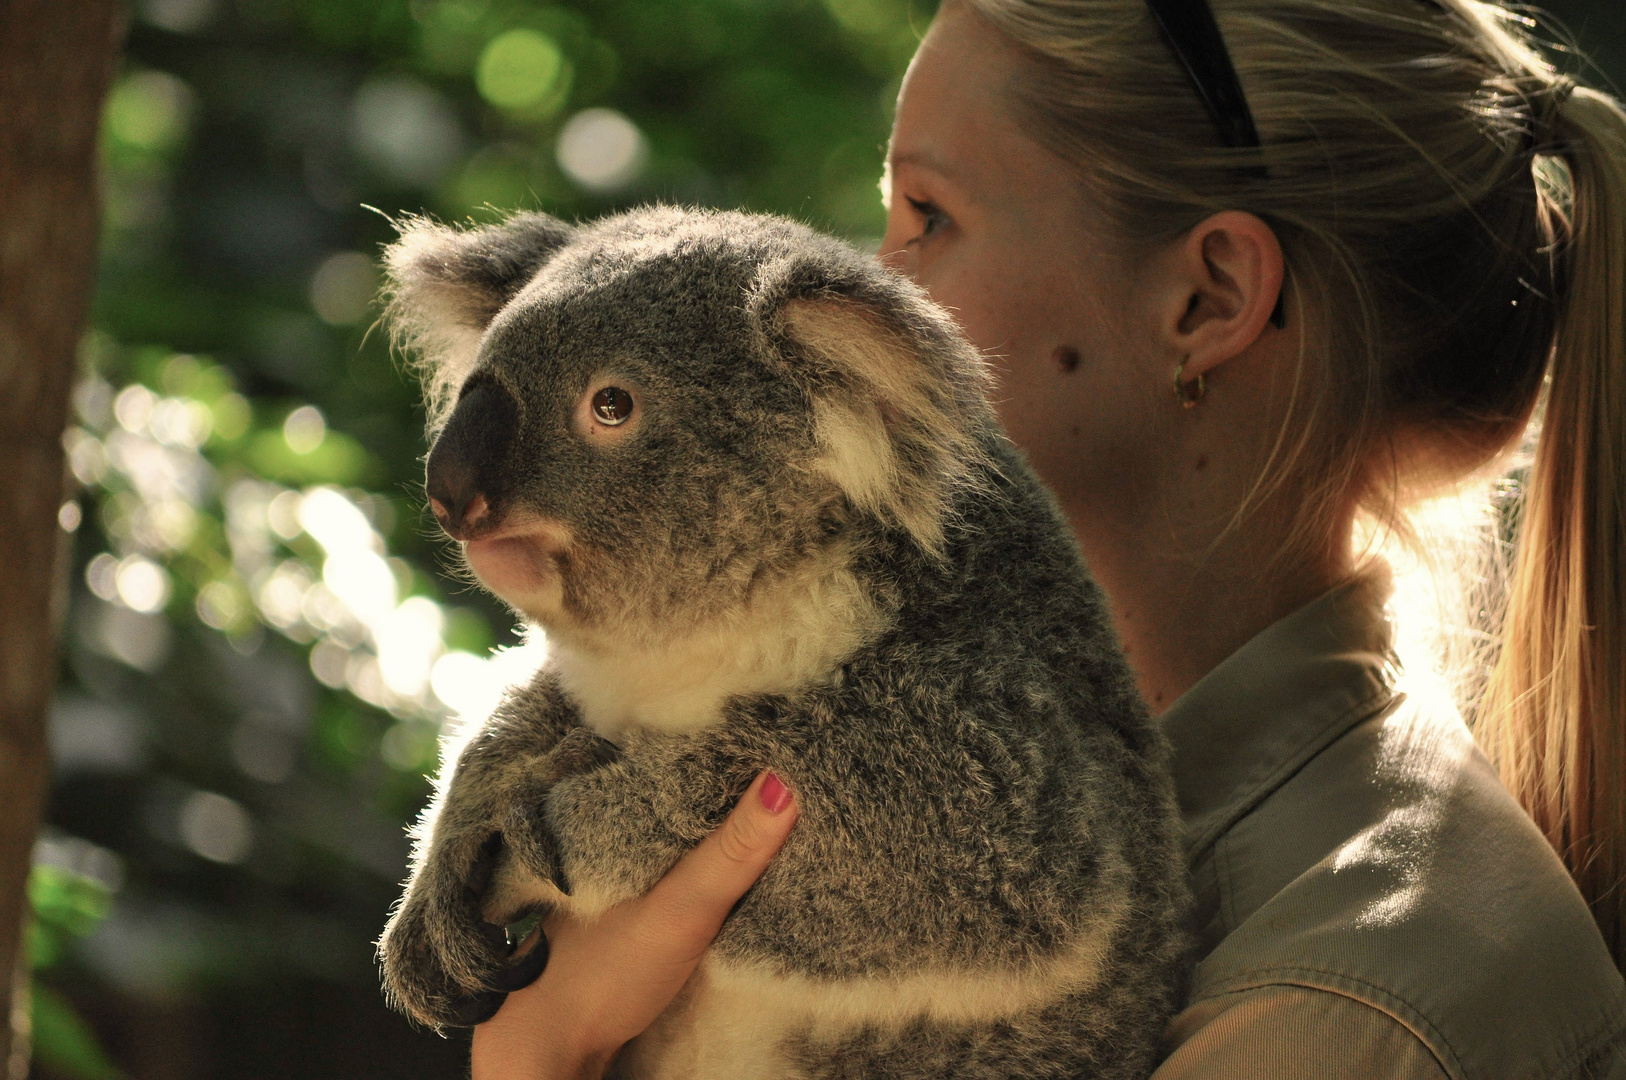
(418,970)
(478,1008)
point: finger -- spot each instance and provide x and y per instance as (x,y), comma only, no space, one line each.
(696,895)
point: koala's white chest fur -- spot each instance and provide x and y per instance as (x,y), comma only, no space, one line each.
(790,635)
(735,1022)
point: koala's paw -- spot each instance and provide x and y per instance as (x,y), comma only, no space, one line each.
(447,958)
(443,964)
(529,870)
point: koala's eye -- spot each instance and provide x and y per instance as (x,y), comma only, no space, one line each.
(612,406)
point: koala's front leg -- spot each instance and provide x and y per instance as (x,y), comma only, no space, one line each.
(618,829)
(443,957)
(526,869)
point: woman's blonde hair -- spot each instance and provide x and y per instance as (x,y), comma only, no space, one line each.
(1453,216)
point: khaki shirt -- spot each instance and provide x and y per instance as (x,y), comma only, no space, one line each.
(1370,902)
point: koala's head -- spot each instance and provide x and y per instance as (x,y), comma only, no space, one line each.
(639,421)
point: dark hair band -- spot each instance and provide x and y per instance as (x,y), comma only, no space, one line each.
(1194,37)
(1193,34)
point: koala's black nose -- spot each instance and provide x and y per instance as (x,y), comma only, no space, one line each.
(469,463)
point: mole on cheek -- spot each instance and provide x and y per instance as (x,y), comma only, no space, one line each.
(1202,462)
(1065,358)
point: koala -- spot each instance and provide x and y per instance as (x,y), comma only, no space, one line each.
(748,482)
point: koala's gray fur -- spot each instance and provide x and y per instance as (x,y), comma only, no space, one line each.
(818,555)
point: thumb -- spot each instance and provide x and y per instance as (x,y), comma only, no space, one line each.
(697,894)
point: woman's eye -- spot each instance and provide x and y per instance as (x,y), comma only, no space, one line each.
(612,406)
(932,219)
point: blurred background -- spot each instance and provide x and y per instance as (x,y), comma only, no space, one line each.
(262,643)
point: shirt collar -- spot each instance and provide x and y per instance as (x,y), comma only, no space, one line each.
(1252,722)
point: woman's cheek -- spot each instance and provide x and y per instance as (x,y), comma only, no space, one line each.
(966,295)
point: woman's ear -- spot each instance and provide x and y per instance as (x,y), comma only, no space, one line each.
(1228,277)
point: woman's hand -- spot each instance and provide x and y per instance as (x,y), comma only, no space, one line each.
(608,978)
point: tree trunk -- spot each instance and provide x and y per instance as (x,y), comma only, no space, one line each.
(56,58)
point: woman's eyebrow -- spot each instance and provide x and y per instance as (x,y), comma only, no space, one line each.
(923,159)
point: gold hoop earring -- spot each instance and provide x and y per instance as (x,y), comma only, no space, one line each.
(1188,395)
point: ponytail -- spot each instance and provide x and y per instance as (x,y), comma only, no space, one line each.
(1554,715)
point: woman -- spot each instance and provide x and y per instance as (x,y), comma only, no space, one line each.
(1222,357)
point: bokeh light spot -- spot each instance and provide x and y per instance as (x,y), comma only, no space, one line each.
(176,422)
(219,605)
(132,637)
(142,584)
(409,746)
(601,150)
(409,642)
(178,16)
(519,70)
(87,458)
(343,287)
(465,684)
(329,662)
(149,111)
(363,581)
(231,416)
(304,429)
(101,576)
(216,827)
(407,131)
(133,408)
(337,523)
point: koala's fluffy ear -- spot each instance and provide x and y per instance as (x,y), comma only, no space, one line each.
(899,406)
(445,285)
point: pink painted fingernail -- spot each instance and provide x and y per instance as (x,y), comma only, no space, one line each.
(774,794)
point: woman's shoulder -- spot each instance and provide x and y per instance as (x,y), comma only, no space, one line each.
(1347,838)
(1393,869)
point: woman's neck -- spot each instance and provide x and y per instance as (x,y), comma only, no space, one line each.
(1181,606)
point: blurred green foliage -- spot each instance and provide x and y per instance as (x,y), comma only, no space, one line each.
(263,642)
(64,906)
